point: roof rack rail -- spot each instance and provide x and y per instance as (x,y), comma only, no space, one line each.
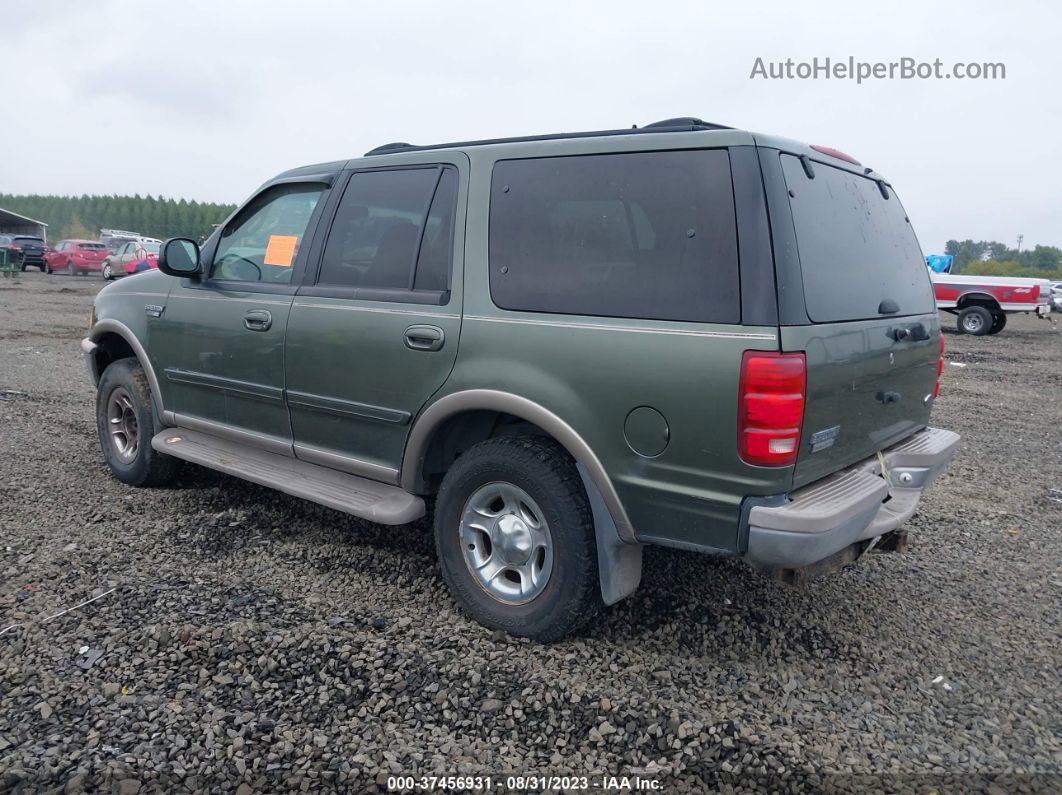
(684,123)
(678,124)
(392,147)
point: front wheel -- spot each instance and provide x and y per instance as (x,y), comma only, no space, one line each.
(974,320)
(70,270)
(106,272)
(126,422)
(515,538)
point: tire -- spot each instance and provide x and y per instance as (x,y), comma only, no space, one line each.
(70,270)
(49,271)
(42,267)
(123,392)
(975,320)
(106,273)
(999,322)
(553,495)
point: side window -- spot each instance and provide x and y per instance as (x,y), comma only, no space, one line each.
(641,235)
(260,244)
(437,247)
(393,229)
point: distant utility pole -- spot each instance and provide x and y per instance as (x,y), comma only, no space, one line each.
(1020,238)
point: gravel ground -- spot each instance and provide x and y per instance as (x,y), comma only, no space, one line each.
(252,642)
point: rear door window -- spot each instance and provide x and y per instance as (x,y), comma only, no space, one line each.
(857,248)
(393,230)
(637,235)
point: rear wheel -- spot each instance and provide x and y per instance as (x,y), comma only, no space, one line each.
(126,422)
(999,321)
(515,538)
(974,320)
(70,270)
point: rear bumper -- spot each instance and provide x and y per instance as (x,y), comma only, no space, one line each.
(853,505)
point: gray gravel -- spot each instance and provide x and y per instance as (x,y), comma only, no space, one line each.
(253,642)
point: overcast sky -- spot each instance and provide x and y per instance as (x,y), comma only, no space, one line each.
(206,100)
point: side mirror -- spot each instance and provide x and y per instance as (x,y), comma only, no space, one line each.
(179,257)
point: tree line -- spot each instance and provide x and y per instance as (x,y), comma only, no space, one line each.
(992,258)
(151,216)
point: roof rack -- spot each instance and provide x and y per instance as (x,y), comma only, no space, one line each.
(680,124)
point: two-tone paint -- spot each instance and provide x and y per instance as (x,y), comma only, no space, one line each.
(647,408)
(1010,294)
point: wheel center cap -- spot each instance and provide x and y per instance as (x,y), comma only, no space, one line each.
(512,540)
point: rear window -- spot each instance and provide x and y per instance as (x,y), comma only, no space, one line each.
(857,248)
(91,246)
(29,240)
(641,235)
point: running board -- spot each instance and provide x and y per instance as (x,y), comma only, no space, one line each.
(361,497)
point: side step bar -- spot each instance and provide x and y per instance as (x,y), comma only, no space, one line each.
(367,499)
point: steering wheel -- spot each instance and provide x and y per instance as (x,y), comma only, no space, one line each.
(236,262)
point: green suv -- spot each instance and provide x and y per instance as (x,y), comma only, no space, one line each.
(570,346)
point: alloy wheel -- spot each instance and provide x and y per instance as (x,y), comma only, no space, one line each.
(122,425)
(506,543)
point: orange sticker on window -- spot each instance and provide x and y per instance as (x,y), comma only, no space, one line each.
(280,250)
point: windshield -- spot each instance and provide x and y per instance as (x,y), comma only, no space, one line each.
(857,249)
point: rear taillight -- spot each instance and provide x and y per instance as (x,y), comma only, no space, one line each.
(940,369)
(771,407)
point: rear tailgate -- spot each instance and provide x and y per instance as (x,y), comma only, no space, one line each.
(865,390)
(873,340)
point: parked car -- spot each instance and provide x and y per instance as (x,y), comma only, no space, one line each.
(130,257)
(75,257)
(981,303)
(573,346)
(1056,296)
(26,250)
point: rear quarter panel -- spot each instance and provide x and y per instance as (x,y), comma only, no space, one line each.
(592,372)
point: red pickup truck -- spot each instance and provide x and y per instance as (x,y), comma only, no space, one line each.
(982,303)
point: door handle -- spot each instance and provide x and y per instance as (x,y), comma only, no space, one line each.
(424,338)
(257,320)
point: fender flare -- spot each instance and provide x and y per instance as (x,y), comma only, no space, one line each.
(111,326)
(494,400)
